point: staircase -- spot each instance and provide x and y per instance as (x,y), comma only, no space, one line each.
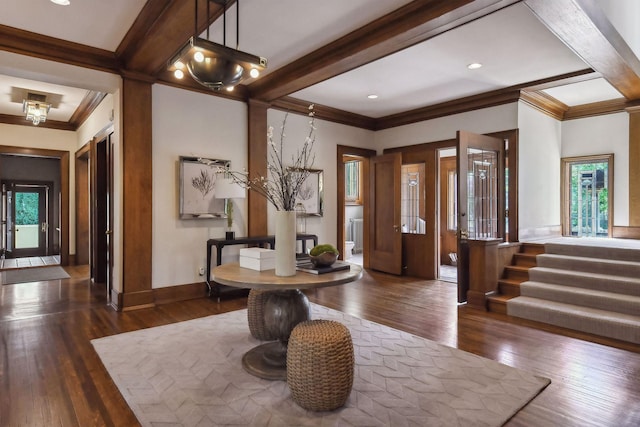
(514,275)
(591,289)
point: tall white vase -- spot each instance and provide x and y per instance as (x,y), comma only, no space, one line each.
(285,243)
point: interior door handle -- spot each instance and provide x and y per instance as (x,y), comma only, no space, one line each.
(107,232)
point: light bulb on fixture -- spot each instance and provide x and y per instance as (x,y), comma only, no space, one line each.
(230,88)
(61,2)
(214,65)
(474,66)
(179,74)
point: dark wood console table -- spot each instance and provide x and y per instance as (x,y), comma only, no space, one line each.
(261,241)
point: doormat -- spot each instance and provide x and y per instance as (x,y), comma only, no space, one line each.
(39,274)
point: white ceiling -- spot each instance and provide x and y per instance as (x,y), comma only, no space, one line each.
(512,44)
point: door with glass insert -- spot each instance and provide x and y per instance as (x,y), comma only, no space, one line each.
(481,197)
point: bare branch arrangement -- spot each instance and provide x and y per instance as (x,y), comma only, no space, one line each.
(283,183)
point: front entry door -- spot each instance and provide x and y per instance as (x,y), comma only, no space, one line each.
(27,220)
(481,196)
(385,242)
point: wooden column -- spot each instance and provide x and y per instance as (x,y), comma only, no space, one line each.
(634,166)
(257,151)
(136,194)
(483,271)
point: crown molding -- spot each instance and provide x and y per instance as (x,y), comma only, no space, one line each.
(49,124)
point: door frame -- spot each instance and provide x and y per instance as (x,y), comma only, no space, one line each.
(344,150)
(46,188)
(63,157)
(512,136)
(565,189)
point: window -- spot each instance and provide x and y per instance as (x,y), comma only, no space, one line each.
(413,198)
(353,182)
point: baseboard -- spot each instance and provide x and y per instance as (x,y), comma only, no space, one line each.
(125,302)
(625,232)
(179,293)
(539,233)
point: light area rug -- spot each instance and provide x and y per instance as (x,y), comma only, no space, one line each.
(190,374)
(36,274)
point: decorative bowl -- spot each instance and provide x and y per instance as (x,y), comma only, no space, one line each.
(325,259)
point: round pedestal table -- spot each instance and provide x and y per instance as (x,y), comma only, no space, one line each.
(284,307)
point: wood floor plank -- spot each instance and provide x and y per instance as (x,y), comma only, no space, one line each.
(50,374)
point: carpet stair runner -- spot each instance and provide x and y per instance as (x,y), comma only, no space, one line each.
(584,288)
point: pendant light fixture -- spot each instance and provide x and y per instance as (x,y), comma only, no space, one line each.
(213,65)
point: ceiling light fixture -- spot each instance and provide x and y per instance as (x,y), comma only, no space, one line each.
(474,66)
(61,2)
(214,65)
(35,108)
(372,96)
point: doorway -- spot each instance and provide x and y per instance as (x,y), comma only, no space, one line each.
(448,215)
(27,219)
(352,166)
(587,195)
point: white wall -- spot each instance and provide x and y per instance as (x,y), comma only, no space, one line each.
(494,119)
(603,135)
(539,174)
(190,124)
(328,136)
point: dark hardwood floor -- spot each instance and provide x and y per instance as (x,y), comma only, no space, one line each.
(51,376)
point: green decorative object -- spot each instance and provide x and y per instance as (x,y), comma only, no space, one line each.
(323,255)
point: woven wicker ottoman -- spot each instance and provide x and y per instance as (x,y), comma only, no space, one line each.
(320,364)
(255,315)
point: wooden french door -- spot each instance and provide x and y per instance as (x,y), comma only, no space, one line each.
(481,196)
(385,242)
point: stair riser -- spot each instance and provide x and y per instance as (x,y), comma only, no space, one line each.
(524,260)
(508,288)
(573,296)
(619,254)
(617,285)
(587,265)
(516,275)
(584,323)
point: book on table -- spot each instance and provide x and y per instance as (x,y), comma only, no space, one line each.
(308,267)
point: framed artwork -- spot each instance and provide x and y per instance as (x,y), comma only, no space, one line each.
(311,194)
(198,188)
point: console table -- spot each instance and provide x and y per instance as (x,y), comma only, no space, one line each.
(261,241)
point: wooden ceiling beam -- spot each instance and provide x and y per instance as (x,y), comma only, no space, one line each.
(411,24)
(160,30)
(50,48)
(582,26)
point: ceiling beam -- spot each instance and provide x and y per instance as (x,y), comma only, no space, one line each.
(50,48)
(49,124)
(411,24)
(582,26)
(160,30)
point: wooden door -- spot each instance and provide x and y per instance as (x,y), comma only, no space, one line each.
(481,204)
(385,234)
(448,196)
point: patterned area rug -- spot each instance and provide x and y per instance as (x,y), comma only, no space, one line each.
(190,374)
(37,274)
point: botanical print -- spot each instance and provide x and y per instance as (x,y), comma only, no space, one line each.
(197,190)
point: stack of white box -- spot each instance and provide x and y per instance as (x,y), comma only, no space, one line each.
(258,258)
